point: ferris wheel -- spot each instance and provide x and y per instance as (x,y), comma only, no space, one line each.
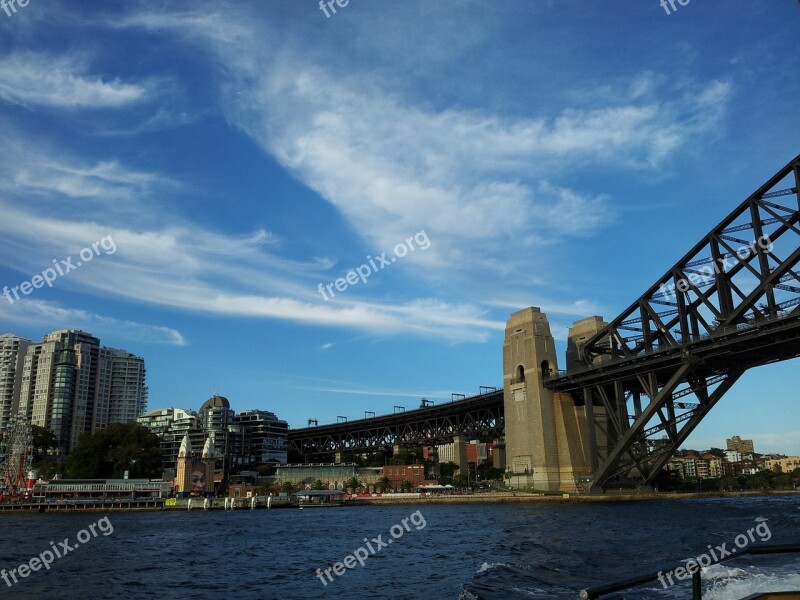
(16,454)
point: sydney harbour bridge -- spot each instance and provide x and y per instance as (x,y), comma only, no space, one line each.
(730,304)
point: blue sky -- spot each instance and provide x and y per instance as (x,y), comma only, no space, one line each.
(555,154)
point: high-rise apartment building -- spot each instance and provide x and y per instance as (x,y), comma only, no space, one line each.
(128,393)
(72,386)
(12,358)
(740,445)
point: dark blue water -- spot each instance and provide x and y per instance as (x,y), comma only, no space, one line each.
(468,552)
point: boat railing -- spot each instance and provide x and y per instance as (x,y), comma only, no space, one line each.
(600,591)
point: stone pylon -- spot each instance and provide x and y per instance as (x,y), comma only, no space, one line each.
(547,435)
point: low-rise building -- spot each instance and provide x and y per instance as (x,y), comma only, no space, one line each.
(783,465)
(100,489)
(397,474)
(334,476)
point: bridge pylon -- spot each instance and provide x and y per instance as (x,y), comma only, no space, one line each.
(547,434)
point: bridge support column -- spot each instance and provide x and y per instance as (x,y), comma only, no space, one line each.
(460,454)
(499,454)
(433,454)
(546,433)
(337,458)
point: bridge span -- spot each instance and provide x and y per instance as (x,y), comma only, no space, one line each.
(475,417)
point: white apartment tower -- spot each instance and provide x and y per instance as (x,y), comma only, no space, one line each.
(12,357)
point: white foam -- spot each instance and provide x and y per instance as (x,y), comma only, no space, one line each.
(721,571)
(725,589)
(487,566)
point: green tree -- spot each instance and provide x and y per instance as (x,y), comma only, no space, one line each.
(287,488)
(354,458)
(384,484)
(118,448)
(406,486)
(44,440)
(376,459)
(354,483)
(460,481)
(491,473)
(448,469)
(318,485)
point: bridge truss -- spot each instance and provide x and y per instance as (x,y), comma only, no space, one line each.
(730,304)
(477,417)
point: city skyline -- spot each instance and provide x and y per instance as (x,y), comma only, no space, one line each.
(191,212)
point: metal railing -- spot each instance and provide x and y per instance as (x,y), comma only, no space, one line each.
(697,588)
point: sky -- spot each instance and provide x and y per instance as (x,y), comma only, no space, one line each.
(220,165)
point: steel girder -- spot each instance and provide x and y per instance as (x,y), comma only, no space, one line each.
(730,304)
(478,417)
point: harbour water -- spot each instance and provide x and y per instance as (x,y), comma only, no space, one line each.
(490,551)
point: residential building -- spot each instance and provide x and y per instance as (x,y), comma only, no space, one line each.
(733,456)
(676,464)
(69,385)
(12,358)
(171,425)
(783,465)
(128,393)
(262,438)
(740,445)
(244,441)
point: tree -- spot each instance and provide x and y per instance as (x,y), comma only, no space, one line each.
(354,483)
(376,459)
(460,481)
(109,453)
(287,488)
(492,473)
(408,456)
(406,486)
(318,485)
(267,469)
(356,459)
(44,440)
(384,484)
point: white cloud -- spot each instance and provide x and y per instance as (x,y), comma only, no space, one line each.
(51,316)
(39,79)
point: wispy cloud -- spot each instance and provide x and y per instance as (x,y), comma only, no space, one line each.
(40,79)
(49,315)
(386,159)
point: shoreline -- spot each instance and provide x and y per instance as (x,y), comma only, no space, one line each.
(390,500)
(522,497)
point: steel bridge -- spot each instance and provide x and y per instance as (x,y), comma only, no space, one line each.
(476,417)
(730,304)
